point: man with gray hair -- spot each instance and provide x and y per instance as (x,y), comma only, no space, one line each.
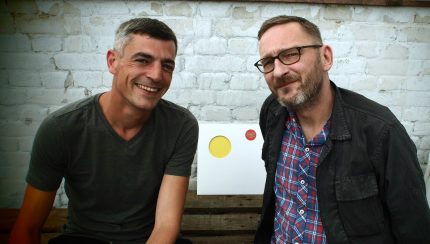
(125,154)
(340,167)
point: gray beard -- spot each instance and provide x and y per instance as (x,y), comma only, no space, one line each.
(305,99)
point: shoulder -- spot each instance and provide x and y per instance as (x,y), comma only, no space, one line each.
(170,110)
(363,107)
(74,107)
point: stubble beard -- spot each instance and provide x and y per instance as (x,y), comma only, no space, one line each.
(308,93)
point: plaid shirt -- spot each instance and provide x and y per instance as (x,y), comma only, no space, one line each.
(297,218)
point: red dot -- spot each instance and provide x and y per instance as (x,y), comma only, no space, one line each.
(250,134)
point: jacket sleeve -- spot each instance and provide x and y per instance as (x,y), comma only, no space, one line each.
(404,187)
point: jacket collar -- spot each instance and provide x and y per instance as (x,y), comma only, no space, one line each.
(339,129)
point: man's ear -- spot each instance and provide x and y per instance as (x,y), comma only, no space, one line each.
(112,60)
(327,57)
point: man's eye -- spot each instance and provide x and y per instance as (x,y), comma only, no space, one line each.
(142,61)
(266,62)
(168,67)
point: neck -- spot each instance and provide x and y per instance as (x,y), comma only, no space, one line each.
(313,118)
(123,118)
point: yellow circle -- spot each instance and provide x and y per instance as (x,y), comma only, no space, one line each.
(219,146)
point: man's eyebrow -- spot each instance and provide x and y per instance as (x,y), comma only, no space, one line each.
(142,55)
(148,56)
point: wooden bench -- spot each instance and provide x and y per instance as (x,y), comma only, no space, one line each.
(206,219)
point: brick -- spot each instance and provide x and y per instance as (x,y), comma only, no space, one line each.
(4,78)
(214,9)
(244,82)
(179,9)
(409,126)
(203,28)
(342,49)
(386,67)
(387,83)
(366,14)
(31,112)
(388,98)
(213,81)
(24,78)
(14,43)
(421,128)
(363,83)
(425,68)
(102,44)
(214,63)
(416,113)
(349,66)
(87,79)
(367,32)
(33,24)
(7,25)
(183,80)
(26,61)
(422,18)
(242,46)
(54,80)
(46,44)
(245,113)
(241,98)
(398,15)
(336,12)
(236,28)
(367,49)
(100,25)
(249,11)
(395,51)
(275,9)
(211,46)
(8,144)
(216,113)
(202,98)
(182,96)
(145,8)
(417,98)
(14,159)
(418,84)
(77,43)
(12,96)
(25,143)
(182,27)
(72,61)
(415,34)
(425,143)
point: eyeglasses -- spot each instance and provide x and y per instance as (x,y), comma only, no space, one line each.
(287,57)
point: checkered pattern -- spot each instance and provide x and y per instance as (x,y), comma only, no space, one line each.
(297,218)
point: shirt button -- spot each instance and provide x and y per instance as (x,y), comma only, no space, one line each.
(301,211)
(302,182)
(307,149)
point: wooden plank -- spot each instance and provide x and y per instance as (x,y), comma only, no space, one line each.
(236,239)
(400,3)
(220,222)
(195,201)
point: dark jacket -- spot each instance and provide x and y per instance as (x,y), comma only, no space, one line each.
(369,182)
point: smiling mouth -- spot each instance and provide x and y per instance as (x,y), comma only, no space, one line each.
(147,88)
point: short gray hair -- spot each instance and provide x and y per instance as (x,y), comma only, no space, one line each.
(151,27)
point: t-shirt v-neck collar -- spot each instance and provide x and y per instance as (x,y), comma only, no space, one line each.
(107,125)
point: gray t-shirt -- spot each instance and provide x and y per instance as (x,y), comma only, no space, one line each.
(112,184)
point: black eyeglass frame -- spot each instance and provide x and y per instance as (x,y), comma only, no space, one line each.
(299,49)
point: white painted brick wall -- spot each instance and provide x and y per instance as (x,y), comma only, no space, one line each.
(53,53)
